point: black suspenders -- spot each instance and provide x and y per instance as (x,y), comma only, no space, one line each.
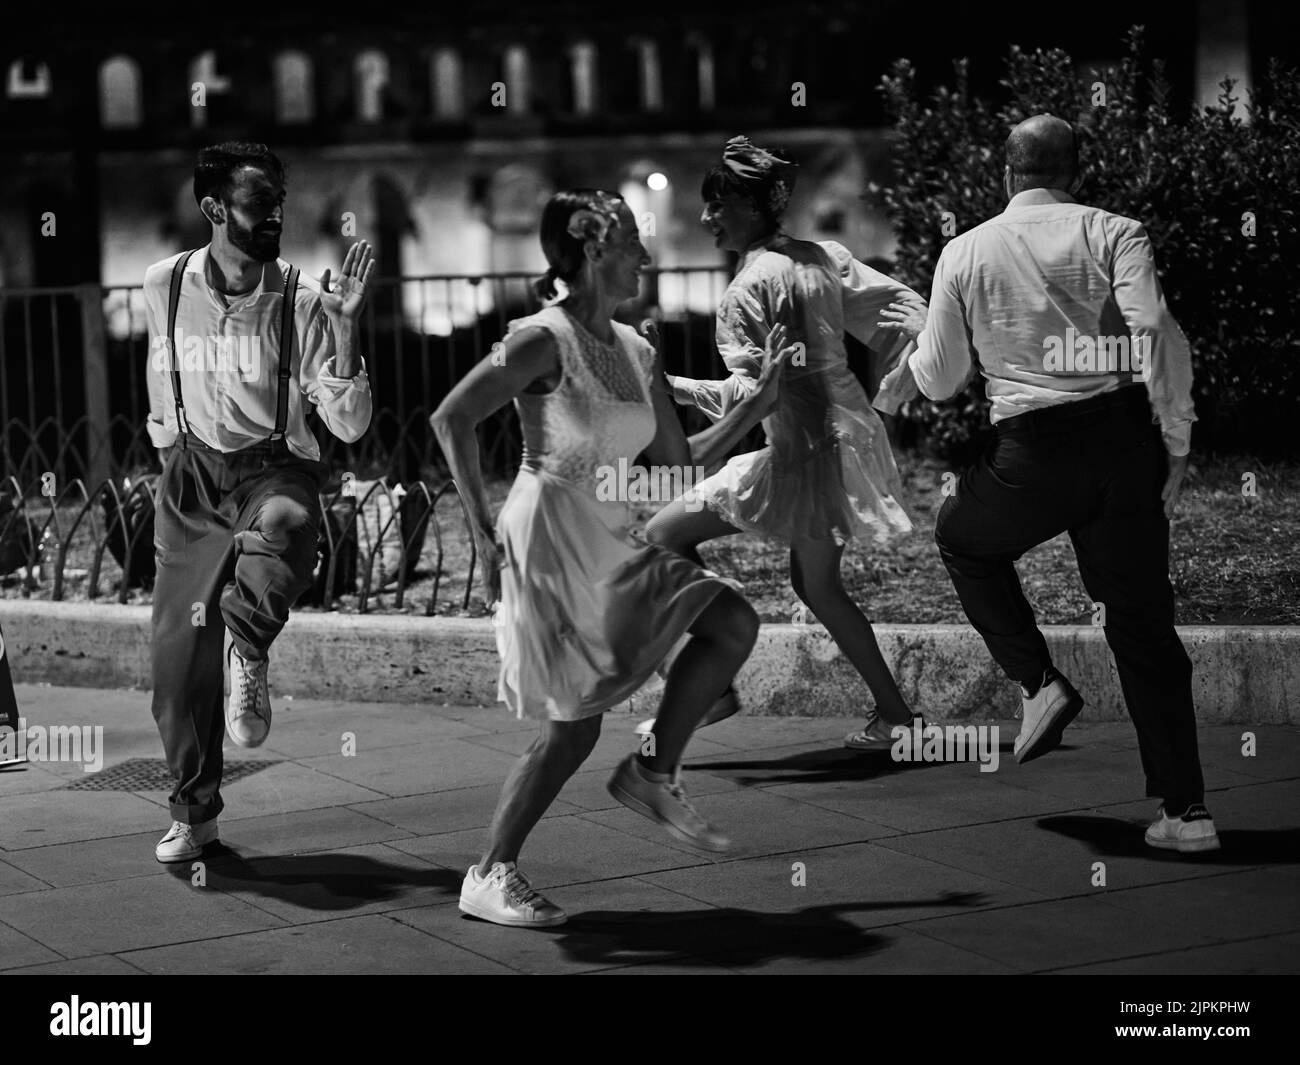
(286,347)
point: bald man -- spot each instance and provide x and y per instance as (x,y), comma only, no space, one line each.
(1090,379)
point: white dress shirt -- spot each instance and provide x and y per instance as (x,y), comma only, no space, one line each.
(230,381)
(1058,302)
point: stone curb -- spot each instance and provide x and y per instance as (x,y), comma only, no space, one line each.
(1243,674)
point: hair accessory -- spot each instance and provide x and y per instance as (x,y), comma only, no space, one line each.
(768,177)
(595,222)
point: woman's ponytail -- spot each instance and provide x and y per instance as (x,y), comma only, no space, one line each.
(544,286)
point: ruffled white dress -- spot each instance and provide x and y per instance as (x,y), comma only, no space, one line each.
(827,472)
(587,612)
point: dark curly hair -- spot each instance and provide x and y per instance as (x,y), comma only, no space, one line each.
(215,173)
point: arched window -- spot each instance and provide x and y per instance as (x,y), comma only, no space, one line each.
(294,89)
(204,82)
(649,76)
(515,64)
(119,93)
(447,86)
(370,79)
(704,71)
(27,80)
(582,73)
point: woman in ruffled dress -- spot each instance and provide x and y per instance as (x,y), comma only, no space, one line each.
(585,612)
(827,475)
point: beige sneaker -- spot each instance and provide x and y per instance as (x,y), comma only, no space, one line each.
(248,708)
(666,803)
(1192,832)
(878,734)
(1047,713)
(506,897)
(184,842)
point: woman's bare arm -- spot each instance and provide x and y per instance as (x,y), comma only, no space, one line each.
(526,357)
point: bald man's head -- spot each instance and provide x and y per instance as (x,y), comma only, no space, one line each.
(1042,152)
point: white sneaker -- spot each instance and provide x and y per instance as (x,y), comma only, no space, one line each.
(1047,713)
(184,842)
(724,706)
(878,734)
(248,709)
(506,897)
(1192,832)
(666,803)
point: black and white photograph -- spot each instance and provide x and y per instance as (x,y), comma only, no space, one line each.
(577,488)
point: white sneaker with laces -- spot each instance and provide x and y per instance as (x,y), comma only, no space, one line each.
(1192,832)
(506,897)
(878,734)
(184,842)
(248,708)
(1047,713)
(664,802)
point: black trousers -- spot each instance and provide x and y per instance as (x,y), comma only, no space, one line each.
(235,538)
(1093,468)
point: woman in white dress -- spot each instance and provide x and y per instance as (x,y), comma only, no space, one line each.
(585,611)
(827,475)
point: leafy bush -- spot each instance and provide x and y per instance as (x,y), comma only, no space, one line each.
(1219,196)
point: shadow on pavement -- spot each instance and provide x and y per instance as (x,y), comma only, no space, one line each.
(1119,838)
(810,767)
(318,881)
(732,937)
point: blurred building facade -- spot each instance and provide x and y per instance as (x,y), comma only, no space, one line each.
(438,133)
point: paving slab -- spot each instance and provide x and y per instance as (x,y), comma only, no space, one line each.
(449,811)
(301,888)
(1278,956)
(41,818)
(121,915)
(561,850)
(417,769)
(1062,932)
(843,863)
(349,945)
(599,933)
(864,884)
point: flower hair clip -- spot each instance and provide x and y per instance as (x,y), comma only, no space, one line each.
(588,223)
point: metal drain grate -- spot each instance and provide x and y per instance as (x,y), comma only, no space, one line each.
(152,774)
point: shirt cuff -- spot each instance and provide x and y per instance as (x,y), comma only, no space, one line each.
(159,434)
(334,384)
(1178,440)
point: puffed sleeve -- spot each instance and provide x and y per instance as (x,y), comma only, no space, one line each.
(746,316)
(867,292)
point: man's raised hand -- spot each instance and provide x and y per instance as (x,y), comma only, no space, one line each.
(348,296)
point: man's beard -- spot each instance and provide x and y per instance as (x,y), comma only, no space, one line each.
(262,247)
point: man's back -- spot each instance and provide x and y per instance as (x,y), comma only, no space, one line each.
(1059,302)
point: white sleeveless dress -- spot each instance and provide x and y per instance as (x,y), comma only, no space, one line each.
(587,612)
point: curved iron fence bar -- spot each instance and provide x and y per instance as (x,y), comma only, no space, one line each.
(32,447)
(86,508)
(379,539)
(19,511)
(469,529)
(417,488)
(432,608)
(61,558)
(97,560)
(328,597)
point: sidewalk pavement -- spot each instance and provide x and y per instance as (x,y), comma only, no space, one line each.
(841,862)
